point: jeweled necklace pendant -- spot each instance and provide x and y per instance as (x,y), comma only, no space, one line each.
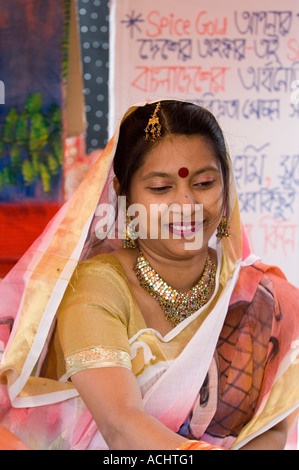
(176,305)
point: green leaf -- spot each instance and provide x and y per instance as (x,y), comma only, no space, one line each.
(55,117)
(33,104)
(35,164)
(9,126)
(22,132)
(39,133)
(57,146)
(7,177)
(53,165)
(28,172)
(15,155)
(46,178)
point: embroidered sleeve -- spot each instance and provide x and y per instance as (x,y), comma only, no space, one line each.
(97,357)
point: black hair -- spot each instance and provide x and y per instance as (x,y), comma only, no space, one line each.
(176,118)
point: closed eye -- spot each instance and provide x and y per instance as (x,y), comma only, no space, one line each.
(160,188)
(205,184)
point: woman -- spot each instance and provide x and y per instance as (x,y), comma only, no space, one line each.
(182,336)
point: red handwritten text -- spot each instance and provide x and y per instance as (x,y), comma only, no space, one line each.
(279,235)
(167,24)
(208,27)
(293,48)
(178,79)
(171,25)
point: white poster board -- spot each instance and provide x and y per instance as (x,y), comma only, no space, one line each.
(239,59)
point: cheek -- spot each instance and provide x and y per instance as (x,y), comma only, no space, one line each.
(138,205)
(213,200)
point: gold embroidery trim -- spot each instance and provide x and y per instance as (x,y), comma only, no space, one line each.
(97,357)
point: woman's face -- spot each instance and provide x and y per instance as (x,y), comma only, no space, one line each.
(195,194)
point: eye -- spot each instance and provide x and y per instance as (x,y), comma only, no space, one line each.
(205,184)
(159,189)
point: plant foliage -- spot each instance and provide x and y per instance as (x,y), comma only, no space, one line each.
(31,145)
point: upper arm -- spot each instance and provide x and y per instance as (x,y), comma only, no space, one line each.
(110,394)
(92,319)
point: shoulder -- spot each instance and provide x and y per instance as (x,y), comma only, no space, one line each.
(101,262)
(97,280)
(101,266)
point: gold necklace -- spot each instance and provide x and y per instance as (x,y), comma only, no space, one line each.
(176,305)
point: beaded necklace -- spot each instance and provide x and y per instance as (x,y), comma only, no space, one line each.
(176,305)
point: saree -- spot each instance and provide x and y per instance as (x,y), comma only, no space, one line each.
(47,413)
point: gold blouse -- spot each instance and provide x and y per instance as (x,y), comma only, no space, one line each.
(100,323)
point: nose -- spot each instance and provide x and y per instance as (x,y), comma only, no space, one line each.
(185,195)
(185,204)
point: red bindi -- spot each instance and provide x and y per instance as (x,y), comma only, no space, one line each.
(183,172)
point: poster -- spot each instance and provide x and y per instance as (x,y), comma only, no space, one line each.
(41,118)
(33,58)
(241,61)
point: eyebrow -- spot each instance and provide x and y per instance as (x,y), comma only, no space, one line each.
(160,174)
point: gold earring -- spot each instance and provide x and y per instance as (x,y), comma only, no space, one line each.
(223,228)
(130,234)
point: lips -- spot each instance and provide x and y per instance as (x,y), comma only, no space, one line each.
(184,230)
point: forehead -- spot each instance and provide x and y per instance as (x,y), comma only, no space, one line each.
(174,152)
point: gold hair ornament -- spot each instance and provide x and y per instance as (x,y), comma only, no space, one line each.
(153,128)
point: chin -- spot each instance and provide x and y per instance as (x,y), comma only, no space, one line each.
(186,248)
